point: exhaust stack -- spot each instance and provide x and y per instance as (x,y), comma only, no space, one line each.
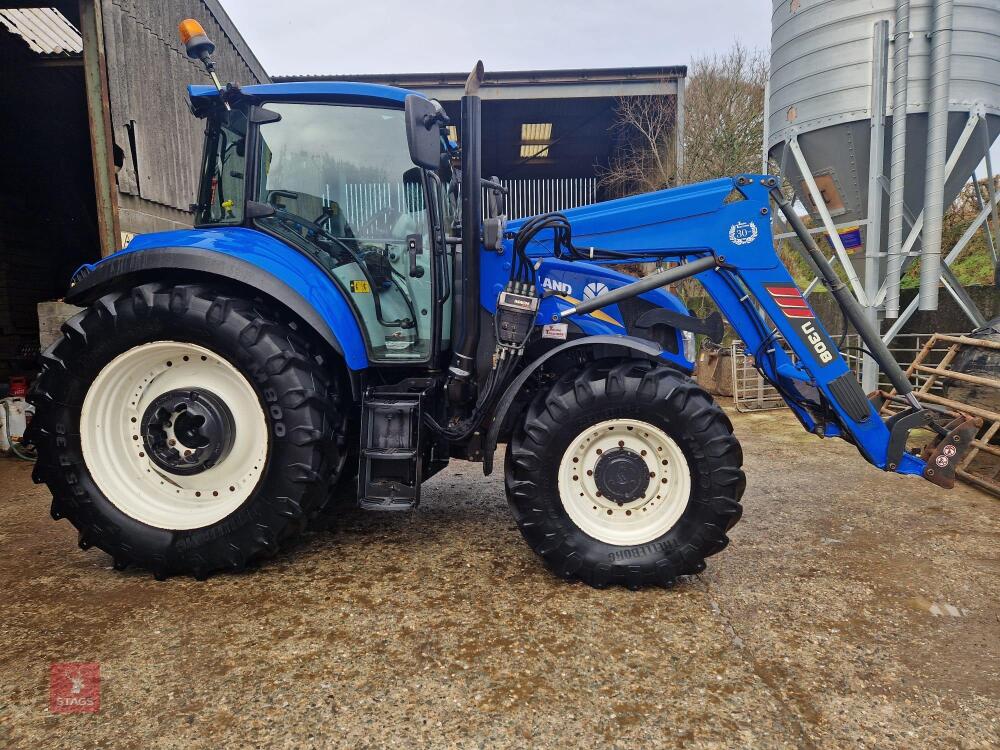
(465,321)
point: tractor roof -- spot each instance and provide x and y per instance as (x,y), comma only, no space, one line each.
(317,91)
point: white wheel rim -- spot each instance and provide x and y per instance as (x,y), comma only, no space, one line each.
(117,457)
(639,521)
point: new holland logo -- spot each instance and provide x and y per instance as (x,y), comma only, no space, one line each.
(594,289)
(554,285)
(743,233)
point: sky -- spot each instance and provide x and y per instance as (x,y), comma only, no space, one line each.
(420,36)
(298,37)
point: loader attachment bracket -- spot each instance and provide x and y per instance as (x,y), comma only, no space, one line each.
(900,425)
(945,455)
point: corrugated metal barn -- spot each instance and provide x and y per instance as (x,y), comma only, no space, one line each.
(96,140)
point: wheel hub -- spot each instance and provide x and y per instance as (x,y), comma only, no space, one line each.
(624,481)
(621,475)
(187,431)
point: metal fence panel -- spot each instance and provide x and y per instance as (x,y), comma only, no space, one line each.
(529,197)
(752,393)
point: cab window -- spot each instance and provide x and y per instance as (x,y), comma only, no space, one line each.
(222,180)
(344,190)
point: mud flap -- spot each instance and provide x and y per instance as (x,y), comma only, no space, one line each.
(944,456)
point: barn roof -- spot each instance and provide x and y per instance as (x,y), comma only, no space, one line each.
(46,31)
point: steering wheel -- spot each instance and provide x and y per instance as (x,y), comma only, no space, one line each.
(311,226)
(284,214)
(387,216)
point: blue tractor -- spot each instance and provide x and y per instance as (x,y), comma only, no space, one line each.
(351,310)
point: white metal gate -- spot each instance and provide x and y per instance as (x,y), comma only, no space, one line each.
(529,197)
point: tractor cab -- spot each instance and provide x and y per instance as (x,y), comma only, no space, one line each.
(326,168)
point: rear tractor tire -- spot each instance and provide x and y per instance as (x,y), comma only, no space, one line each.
(185,429)
(625,472)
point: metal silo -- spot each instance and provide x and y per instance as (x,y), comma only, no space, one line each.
(842,71)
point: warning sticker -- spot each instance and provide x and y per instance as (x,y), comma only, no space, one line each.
(360,286)
(554,331)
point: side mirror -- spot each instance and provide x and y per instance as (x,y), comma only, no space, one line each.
(423,135)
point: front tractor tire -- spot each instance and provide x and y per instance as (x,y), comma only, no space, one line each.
(185,429)
(624,472)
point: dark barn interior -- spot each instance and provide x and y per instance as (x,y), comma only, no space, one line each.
(581,137)
(126,99)
(48,219)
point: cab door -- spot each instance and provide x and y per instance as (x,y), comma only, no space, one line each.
(343,189)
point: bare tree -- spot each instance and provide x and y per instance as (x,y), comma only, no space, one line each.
(724,130)
(723,135)
(646,157)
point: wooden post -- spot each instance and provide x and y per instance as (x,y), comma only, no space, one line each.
(95,76)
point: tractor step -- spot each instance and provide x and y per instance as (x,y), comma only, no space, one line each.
(391,463)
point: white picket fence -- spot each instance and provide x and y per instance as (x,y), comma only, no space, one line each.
(528,197)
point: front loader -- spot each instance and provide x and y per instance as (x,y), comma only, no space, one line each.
(352,310)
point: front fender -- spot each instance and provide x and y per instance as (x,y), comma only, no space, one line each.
(642,346)
(243,255)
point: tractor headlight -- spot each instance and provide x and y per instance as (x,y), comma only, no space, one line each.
(690,345)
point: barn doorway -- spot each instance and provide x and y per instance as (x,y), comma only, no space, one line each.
(48,214)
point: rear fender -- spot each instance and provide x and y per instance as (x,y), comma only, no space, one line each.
(236,254)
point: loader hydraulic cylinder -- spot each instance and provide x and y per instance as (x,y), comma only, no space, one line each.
(653,281)
(851,307)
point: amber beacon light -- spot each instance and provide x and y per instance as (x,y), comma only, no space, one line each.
(199,47)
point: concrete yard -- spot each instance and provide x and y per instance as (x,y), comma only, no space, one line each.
(852,609)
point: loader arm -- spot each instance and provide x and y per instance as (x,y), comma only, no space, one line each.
(721,232)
